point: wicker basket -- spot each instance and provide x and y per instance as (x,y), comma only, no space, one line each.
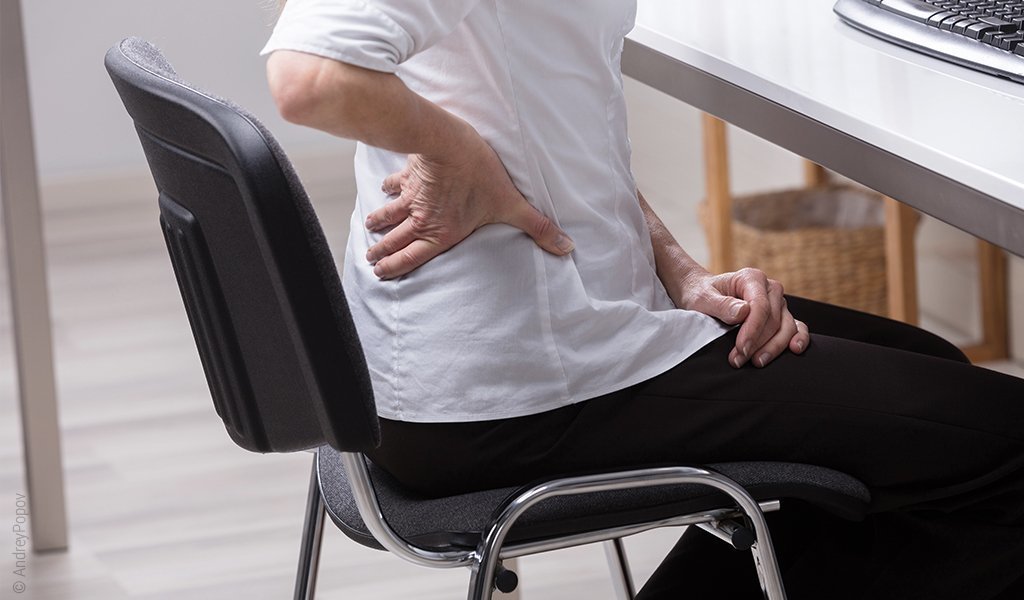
(825,243)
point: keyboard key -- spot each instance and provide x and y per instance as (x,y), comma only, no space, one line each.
(962,25)
(937,19)
(1010,41)
(948,24)
(993,37)
(999,24)
(912,9)
(978,30)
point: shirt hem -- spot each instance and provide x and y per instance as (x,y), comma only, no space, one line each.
(651,370)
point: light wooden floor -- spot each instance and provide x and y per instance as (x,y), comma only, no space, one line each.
(162,505)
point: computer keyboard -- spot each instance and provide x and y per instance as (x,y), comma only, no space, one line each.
(987,35)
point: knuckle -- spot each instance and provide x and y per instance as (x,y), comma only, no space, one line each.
(408,258)
(419,223)
(542,226)
(755,279)
(446,239)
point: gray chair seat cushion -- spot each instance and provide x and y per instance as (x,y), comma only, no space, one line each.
(458,521)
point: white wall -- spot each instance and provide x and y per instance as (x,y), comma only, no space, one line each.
(80,123)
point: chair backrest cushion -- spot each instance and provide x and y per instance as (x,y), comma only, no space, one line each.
(267,310)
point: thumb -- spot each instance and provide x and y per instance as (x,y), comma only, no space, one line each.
(728,309)
(543,230)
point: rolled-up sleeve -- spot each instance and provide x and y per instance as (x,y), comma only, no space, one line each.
(374,34)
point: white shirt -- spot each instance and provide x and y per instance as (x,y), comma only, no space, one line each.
(496,327)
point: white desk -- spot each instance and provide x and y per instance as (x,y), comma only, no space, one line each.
(791,72)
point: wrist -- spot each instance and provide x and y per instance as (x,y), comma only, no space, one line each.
(453,142)
(682,277)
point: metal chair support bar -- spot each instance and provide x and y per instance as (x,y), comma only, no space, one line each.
(735,534)
(487,553)
(312,536)
(369,509)
(618,567)
(590,537)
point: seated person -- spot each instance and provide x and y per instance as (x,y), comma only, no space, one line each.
(523,308)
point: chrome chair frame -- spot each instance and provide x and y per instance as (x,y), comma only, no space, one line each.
(484,560)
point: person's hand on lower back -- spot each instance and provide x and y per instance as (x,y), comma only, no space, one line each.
(748,297)
(440,200)
(453,183)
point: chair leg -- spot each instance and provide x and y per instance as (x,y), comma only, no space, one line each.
(481,580)
(312,535)
(622,578)
(768,574)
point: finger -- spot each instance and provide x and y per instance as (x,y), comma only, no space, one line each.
(395,240)
(752,286)
(543,230)
(391,213)
(777,303)
(772,317)
(778,343)
(728,309)
(392,184)
(802,339)
(406,260)
(771,326)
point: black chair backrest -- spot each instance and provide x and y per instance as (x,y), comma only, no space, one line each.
(260,287)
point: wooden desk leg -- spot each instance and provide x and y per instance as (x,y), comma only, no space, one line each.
(900,223)
(995,343)
(815,175)
(901,262)
(29,303)
(719,200)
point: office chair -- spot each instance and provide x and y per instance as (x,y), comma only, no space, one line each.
(286,371)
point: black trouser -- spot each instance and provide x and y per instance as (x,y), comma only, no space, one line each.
(940,444)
